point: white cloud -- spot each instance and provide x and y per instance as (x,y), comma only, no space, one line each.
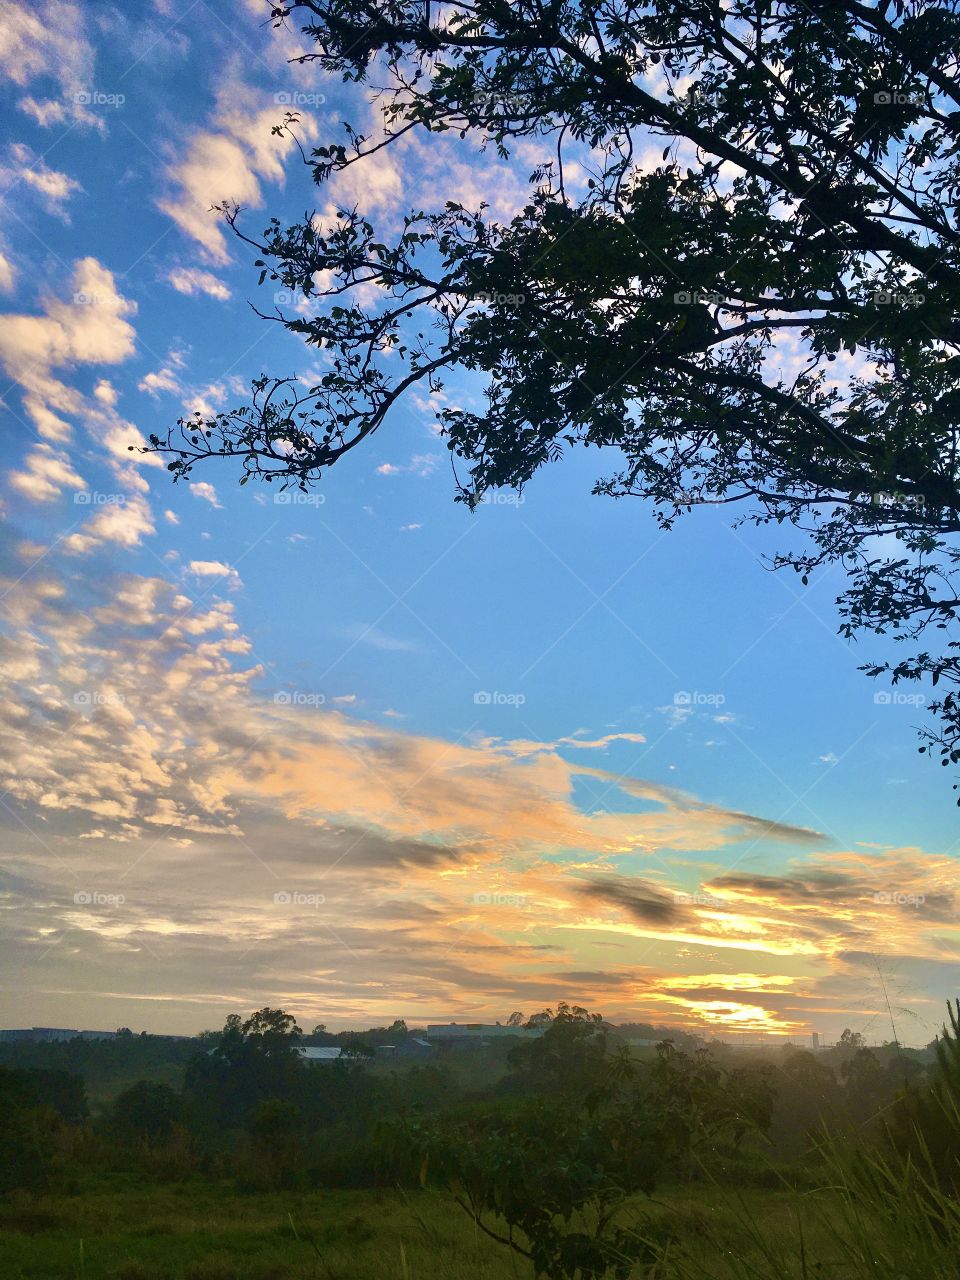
(161,380)
(193,281)
(171,517)
(207,400)
(123,524)
(46,40)
(90,328)
(8,274)
(47,472)
(201,489)
(214,569)
(227,163)
(55,187)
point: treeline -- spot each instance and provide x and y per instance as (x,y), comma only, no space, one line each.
(561,1129)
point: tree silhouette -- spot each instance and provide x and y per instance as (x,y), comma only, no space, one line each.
(763,176)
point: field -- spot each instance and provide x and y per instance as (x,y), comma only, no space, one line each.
(198,1231)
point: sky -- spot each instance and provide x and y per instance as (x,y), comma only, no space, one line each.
(360,753)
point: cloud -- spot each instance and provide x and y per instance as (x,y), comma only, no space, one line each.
(53,186)
(201,489)
(227,164)
(8,274)
(158,380)
(91,328)
(46,41)
(193,281)
(46,474)
(122,522)
(422,464)
(214,569)
(461,878)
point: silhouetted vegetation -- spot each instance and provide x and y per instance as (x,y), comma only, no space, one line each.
(564,1150)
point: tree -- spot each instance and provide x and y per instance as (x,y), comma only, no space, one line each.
(851,1040)
(272,1030)
(252,1060)
(276,1142)
(924,1126)
(570,1058)
(558,1169)
(762,173)
(146,1112)
(516,1019)
(706,1106)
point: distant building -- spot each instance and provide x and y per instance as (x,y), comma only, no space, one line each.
(54,1033)
(450,1032)
(816,1039)
(325,1053)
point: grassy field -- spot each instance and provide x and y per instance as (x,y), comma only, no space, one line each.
(200,1231)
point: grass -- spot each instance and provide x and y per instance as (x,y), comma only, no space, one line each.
(122,1229)
(199,1231)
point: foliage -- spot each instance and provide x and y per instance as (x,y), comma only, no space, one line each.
(704,1106)
(146,1112)
(924,1126)
(764,175)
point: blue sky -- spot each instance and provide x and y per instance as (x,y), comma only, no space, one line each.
(423,716)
